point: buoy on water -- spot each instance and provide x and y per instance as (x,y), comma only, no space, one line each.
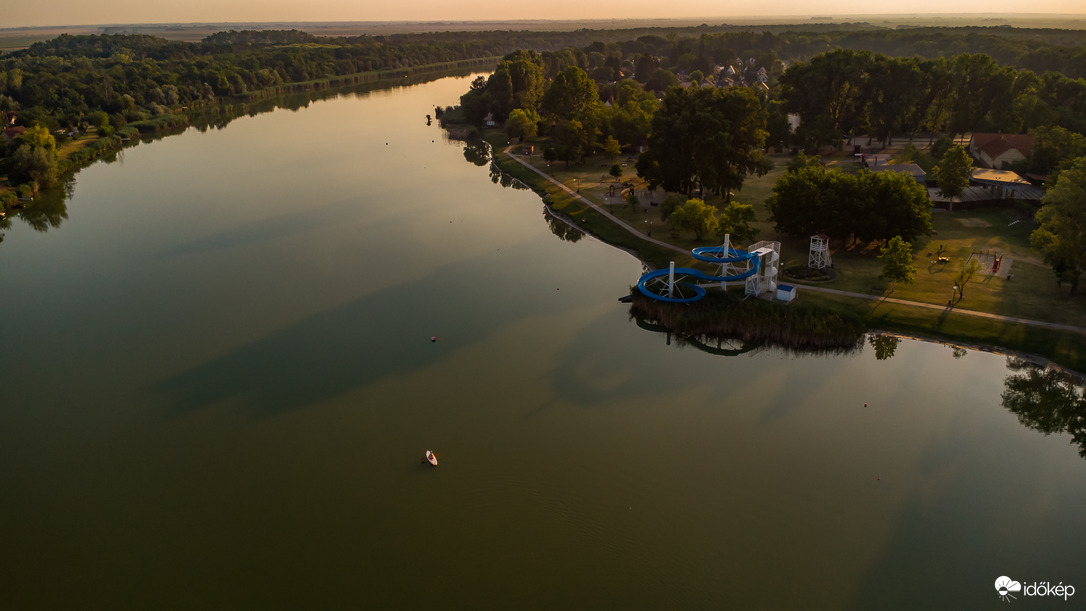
(433,338)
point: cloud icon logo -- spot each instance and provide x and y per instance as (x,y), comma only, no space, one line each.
(1005,585)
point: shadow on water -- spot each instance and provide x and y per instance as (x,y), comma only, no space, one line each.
(917,555)
(268,229)
(356,344)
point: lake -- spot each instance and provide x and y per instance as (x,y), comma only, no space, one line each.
(217,383)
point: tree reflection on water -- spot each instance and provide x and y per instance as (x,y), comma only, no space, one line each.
(1047,400)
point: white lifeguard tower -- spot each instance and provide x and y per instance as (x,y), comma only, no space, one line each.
(769,256)
(820,252)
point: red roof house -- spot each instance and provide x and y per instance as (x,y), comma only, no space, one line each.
(1000,150)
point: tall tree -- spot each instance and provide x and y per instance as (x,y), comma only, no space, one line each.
(829,93)
(1061,235)
(897,262)
(695,215)
(869,206)
(570,94)
(708,139)
(735,220)
(517,82)
(953,171)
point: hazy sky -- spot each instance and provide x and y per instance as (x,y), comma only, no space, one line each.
(76,12)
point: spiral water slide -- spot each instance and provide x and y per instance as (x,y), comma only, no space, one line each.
(679,284)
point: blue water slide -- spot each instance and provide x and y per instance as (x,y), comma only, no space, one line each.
(657,285)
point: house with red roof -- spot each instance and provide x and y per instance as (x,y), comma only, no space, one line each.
(12,133)
(999,151)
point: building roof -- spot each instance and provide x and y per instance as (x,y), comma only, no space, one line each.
(994,145)
(12,133)
(908,168)
(1002,177)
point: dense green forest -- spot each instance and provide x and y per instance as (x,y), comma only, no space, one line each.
(61,80)
(895,81)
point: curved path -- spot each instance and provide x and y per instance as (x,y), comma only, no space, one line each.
(919,304)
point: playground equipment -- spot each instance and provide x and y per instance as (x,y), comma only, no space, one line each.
(679,284)
(758,266)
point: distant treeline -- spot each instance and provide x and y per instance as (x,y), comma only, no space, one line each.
(133,76)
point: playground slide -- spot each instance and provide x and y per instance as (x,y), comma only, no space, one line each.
(659,284)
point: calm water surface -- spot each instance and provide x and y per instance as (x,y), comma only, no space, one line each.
(217,383)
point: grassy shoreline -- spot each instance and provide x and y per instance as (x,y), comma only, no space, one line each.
(1031,295)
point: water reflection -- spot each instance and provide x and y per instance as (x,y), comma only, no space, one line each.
(1047,400)
(735,346)
(49,208)
(884,345)
(562,228)
(477,152)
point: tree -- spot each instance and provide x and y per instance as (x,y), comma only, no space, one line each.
(802,160)
(570,94)
(1053,146)
(573,98)
(568,141)
(616,171)
(695,215)
(969,269)
(661,80)
(953,171)
(475,102)
(522,123)
(612,148)
(829,93)
(735,220)
(39,137)
(1061,235)
(35,161)
(517,82)
(869,206)
(897,262)
(706,139)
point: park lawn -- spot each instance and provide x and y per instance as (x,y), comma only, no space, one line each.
(1031,293)
(80,141)
(1066,349)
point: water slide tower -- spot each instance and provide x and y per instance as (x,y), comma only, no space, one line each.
(765,280)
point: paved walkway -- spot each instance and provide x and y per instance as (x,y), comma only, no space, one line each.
(593,205)
(819,289)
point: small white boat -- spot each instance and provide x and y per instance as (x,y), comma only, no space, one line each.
(431,458)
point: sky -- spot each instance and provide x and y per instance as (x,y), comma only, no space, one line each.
(80,12)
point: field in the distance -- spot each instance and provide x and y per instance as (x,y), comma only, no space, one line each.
(12,39)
